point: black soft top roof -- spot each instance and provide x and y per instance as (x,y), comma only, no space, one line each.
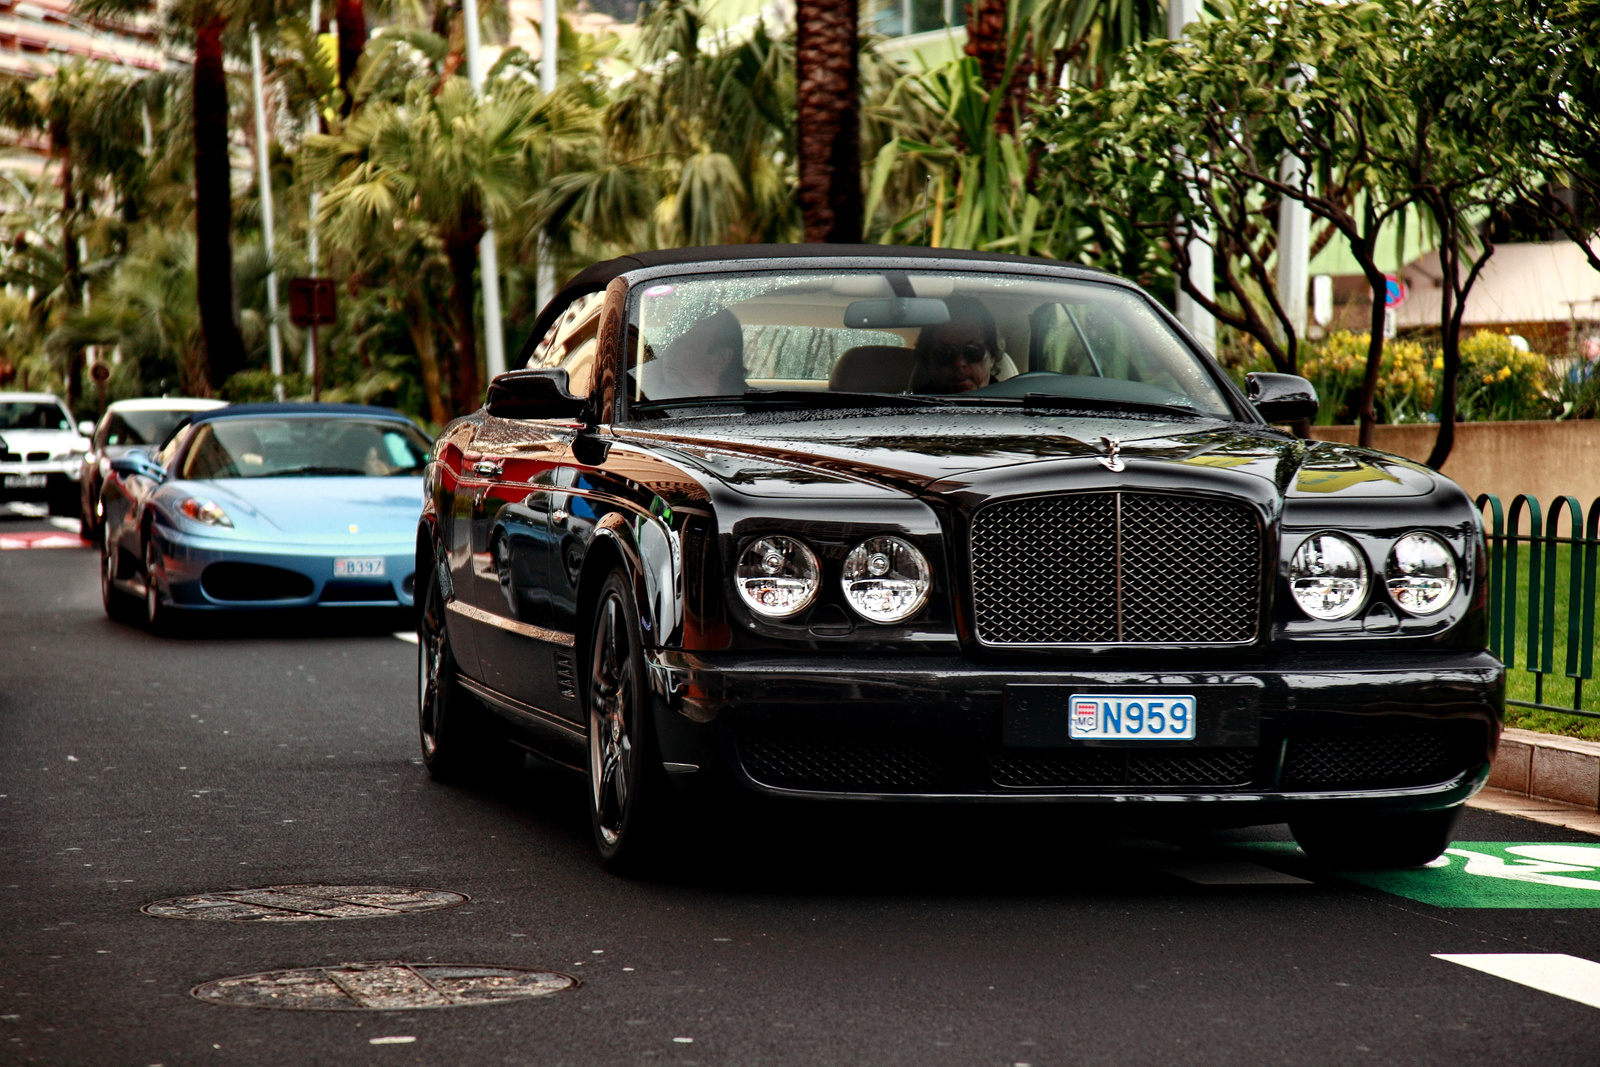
(595,278)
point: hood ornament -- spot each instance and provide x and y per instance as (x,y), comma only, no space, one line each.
(1111,460)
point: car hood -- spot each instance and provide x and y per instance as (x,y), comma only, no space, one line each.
(56,442)
(940,451)
(314,511)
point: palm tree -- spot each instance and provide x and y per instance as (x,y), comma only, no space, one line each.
(446,160)
(827,94)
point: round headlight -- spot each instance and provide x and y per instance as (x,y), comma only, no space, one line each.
(885,579)
(777,576)
(1421,574)
(1328,576)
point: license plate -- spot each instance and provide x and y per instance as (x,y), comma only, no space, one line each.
(358,567)
(1131,717)
(25,481)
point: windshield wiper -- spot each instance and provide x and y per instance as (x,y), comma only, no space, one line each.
(312,470)
(818,398)
(1079,403)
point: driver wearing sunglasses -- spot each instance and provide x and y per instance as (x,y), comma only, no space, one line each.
(960,355)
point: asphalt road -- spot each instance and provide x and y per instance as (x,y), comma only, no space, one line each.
(135,768)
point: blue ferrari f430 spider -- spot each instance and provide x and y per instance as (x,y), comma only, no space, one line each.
(260,506)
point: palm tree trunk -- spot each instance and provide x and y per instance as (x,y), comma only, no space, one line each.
(987,42)
(426,342)
(827,88)
(352,18)
(213,208)
(462,251)
(71,266)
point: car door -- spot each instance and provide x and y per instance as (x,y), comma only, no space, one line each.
(514,465)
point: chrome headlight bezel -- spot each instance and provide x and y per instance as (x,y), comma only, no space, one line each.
(777,576)
(1311,574)
(886,566)
(1396,575)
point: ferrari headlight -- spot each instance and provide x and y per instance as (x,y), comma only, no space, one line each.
(1421,574)
(777,576)
(885,579)
(1328,576)
(201,510)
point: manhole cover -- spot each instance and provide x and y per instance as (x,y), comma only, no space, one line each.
(383,986)
(304,903)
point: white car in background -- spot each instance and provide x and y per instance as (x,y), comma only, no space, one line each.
(40,450)
(144,423)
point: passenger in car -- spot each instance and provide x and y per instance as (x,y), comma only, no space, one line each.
(960,355)
(708,360)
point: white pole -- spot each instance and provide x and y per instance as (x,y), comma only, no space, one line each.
(1294,248)
(1202,274)
(544,277)
(311,222)
(264,191)
(494,345)
(1294,239)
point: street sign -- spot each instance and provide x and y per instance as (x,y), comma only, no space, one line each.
(313,301)
(1394,291)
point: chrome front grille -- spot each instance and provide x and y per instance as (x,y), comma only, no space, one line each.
(1116,568)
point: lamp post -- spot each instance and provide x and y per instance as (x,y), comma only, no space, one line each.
(549,48)
(494,351)
(264,191)
(1202,273)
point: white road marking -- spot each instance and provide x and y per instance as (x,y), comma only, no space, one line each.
(61,522)
(407,636)
(1225,872)
(396,1040)
(1549,972)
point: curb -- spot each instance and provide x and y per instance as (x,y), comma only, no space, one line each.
(1548,767)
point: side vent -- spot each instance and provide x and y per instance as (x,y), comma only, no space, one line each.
(566,676)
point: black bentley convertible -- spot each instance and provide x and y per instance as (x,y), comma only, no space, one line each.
(916,525)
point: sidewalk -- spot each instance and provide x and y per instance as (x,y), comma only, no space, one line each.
(1547,778)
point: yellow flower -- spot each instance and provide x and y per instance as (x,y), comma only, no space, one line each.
(1438,363)
(1505,372)
(1488,379)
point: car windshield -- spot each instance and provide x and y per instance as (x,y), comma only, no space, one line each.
(145,427)
(33,415)
(285,447)
(856,338)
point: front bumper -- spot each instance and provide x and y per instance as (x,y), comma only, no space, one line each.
(40,479)
(1288,736)
(298,576)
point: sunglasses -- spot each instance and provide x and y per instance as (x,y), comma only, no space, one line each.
(949,355)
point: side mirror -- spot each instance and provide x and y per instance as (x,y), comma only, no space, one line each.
(136,462)
(86,428)
(1281,397)
(533,394)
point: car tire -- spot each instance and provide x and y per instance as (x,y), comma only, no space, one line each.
(120,606)
(158,617)
(628,790)
(64,503)
(1390,841)
(458,744)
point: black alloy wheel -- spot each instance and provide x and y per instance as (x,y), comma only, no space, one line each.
(120,606)
(1411,839)
(456,741)
(627,787)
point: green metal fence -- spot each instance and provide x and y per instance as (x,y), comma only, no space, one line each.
(1533,612)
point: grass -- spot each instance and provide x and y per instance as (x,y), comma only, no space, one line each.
(1521,682)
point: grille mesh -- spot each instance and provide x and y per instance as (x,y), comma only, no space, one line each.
(1372,760)
(1210,767)
(839,765)
(1045,570)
